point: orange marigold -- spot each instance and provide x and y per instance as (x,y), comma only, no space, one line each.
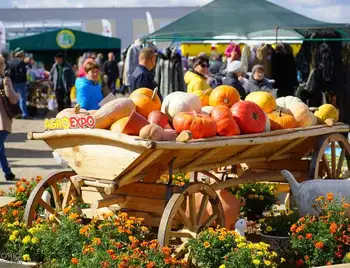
(73,216)
(96,241)
(330,196)
(300,237)
(15,213)
(308,236)
(206,244)
(333,228)
(74,260)
(105,264)
(306,257)
(166,250)
(293,228)
(319,245)
(151,265)
(21,189)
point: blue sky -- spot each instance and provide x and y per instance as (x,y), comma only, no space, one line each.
(325,10)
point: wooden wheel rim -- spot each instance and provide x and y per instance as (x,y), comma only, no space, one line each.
(333,171)
(35,197)
(194,222)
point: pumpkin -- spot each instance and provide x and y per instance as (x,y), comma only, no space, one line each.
(201,125)
(286,102)
(302,114)
(220,112)
(151,132)
(224,95)
(119,125)
(227,127)
(113,111)
(76,111)
(203,96)
(264,99)
(146,100)
(326,111)
(281,120)
(158,118)
(249,117)
(206,110)
(177,102)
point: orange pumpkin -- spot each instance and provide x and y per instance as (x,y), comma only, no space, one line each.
(76,111)
(146,101)
(224,95)
(281,120)
(201,125)
(220,112)
(227,127)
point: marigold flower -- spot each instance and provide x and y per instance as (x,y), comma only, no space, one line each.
(26,257)
(35,240)
(105,264)
(151,265)
(144,229)
(319,245)
(206,244)
(306,257)
(74,261)
(96,241)
(283,260)
(330,196)
(21,189)
(166,250)
(300,237)
(66,210)
(308,236)
(256,262)
(26,239)
(267,263)
(293,228)
(268,228)
(12,237)
(333,228)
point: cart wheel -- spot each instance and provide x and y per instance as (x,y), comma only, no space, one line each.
(194,220)
(51,182)
(333,164)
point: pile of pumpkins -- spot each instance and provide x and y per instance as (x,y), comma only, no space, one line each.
(205,114)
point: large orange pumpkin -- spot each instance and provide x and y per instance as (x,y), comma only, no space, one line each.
(220,112)
(227,127)
(201,125)
(281,120)
(224,95)
(146,101)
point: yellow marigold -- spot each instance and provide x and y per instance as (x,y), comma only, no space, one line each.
(261,197)
(52,218)
(206,244)
(35,240)
(256,262)
(241,245)
(26,257)
(267,263)
(16,232)
(66,210)
(221,237)
(273,254)
(33,230)
(73,216)
(260,253)
(268,228)
(144,229)
(13,237)
(96,241)
(9,225)
(283,260)
(222,266)
(16,223)
(26,239)
(320,198)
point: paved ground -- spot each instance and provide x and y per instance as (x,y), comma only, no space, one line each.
(28,158)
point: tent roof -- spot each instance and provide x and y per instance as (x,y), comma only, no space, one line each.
(242,18)
(48,41)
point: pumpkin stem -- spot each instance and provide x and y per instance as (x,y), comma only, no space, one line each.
(76,108)
(194,113)
(208,90)
(154,93)
(226,100)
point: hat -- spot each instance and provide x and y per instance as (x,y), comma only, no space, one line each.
(18,51)
(256,67)
(235,66)
(232,47)
(59,55)
(200,60)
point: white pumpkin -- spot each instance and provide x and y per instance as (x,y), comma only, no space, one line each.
(207,110)
(267,124)
(286,102)
(180,102)
(302,115)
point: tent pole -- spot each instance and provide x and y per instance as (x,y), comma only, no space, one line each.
(276,34)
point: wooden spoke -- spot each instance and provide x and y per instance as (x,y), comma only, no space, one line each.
(202,209)
(35,200)
(331,166)
(192,216)
(67,194)
(340,163)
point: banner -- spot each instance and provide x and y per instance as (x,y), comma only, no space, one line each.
(150,22)
(2,36)
(107,28)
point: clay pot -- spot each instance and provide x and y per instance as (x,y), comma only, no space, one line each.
(135,123)
(158,118)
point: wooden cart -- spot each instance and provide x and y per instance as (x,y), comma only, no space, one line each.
(120,171)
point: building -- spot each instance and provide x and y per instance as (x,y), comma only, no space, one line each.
(126,23)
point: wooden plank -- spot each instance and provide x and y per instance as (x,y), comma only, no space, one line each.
(286,148)
(247,152)
(144,204)
(115,199)
(202,158)
(124,180)
(288,164)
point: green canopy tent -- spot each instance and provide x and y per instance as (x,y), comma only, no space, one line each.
(241,20)
(74,43)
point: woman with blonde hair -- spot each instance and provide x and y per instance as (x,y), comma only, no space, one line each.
(5,119)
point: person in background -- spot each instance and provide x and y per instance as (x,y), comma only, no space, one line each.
(62,78)
(143,75)
(196,79)
(232,53)
(5,120)
(216,64)
(234,77)
(89,92)
(121,71)
(99,61)
(17,71)
(257,80)
(93,55)
(111,72)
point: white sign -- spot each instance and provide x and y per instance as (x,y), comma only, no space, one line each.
(107,28)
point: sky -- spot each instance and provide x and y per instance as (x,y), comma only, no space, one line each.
(325,10)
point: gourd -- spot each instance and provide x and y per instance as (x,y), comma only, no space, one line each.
(156,133)
(281,120)
(113,111)
(207,110)
(119,125)
(326,111)
(224,95)
(177,102)
(249,117)
(203,96)
(146,100)
(201,125)
(263,99)
(286,102)
(76,111)
(158,118)
(302,114)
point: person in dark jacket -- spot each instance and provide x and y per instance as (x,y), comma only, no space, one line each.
(234,77)
(111,71)
(143,75)
(216,65)
(63,78)
(257,80)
